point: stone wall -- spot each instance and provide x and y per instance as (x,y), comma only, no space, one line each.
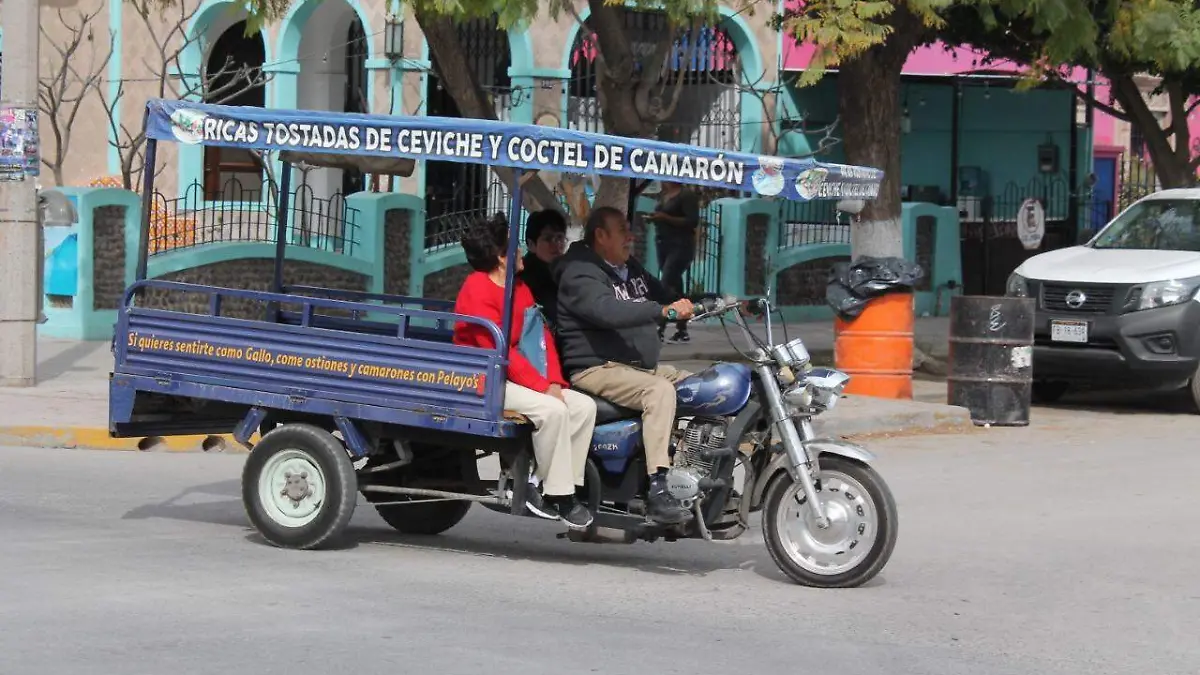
(108,259)
(805,284)
(444,285)
(250,274)
(758,227)
(397,251)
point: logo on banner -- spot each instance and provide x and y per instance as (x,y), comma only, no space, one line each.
(768,179)
(187,126)
(809,182)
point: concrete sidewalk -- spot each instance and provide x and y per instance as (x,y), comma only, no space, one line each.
(69,407)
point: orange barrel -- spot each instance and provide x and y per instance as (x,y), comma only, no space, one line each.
(876,348)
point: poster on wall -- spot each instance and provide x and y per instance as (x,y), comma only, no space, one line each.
(19,156)
(1031,224)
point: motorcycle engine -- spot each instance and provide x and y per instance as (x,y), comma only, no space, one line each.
(689,467)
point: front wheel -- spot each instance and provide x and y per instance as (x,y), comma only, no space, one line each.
(299,487)
(862,526)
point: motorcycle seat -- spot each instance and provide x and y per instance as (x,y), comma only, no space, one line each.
(607,411)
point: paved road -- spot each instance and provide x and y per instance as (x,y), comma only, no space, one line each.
(1069,547)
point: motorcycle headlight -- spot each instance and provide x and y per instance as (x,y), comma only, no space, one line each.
(827,385)
(819,390)
(1161,294)
(1017,287)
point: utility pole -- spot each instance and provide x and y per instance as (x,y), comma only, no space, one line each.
(20,253)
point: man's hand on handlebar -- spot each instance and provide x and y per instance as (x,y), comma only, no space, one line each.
(680,310)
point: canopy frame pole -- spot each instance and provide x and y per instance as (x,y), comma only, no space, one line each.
(281,224)
(147,207)
(510,275)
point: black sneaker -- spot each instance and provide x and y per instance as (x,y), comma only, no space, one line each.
(573,512)
(680,336)
(537,504)
(661,507)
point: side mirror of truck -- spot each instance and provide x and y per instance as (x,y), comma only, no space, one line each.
(1084,236)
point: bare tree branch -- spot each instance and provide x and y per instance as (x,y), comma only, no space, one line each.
(72,75)
(165,27)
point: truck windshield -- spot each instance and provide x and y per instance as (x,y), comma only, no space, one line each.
(1159,224)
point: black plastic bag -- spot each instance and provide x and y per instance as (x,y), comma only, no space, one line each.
(851,286)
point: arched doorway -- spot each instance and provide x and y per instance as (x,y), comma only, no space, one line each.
(709,112)
(233,75)
(333,53)
(456,192)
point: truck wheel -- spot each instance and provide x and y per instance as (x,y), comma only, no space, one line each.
(1048,392)
(1194,389)
(423,517)
(299,487)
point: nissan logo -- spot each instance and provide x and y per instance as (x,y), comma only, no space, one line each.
(1076,299)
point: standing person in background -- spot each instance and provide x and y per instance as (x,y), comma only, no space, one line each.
(546,239)
(676,218)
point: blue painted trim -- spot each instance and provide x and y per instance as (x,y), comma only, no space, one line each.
(81,321)
(291,31)
(191,63)
(170,262)
(115,23)
(546,73)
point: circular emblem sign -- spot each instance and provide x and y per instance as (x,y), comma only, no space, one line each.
(1031,224)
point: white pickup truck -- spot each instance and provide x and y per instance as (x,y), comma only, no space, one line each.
(1121,311)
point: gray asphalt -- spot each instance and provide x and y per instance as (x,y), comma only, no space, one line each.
(1067,547)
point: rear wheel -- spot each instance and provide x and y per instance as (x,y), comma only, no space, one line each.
(862,526)
(299,487)
(423,517)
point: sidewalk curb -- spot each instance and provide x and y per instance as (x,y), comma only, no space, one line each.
(937,419)
(96,438)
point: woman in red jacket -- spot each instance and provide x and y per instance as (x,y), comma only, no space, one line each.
(563,418)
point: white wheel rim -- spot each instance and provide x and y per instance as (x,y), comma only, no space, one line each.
(853,525)
(291,488)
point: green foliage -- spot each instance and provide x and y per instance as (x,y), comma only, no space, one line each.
(844,29)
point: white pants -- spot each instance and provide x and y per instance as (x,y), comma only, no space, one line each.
(562,434)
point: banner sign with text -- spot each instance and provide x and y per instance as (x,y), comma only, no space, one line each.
(509,144)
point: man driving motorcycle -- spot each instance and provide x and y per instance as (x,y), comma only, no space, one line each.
(609,310)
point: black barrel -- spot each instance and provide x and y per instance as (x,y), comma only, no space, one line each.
(991,358)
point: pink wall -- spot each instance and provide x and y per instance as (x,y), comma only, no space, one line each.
(936,59)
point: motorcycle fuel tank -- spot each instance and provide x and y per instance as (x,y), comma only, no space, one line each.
(723,389)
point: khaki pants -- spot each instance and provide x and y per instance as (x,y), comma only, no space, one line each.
(651,391)
(562,434)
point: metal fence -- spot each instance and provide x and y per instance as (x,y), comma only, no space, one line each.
(249,215)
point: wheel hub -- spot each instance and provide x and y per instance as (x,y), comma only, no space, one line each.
(853,525)
(292,488)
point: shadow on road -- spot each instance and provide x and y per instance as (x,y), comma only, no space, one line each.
(484,533)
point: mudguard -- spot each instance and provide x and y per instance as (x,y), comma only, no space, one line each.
(816,447)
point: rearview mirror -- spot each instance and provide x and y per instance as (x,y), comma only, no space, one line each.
(1085,235)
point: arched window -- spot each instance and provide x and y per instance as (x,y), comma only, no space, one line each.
(234,76)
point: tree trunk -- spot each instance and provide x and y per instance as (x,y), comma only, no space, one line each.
(869,105)
(1172,166)
(459,79)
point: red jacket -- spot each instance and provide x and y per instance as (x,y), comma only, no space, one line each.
(481,297)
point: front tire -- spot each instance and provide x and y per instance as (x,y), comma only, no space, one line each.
(860,537)
(299,487)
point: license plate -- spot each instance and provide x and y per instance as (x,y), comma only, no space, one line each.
(1068,331)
